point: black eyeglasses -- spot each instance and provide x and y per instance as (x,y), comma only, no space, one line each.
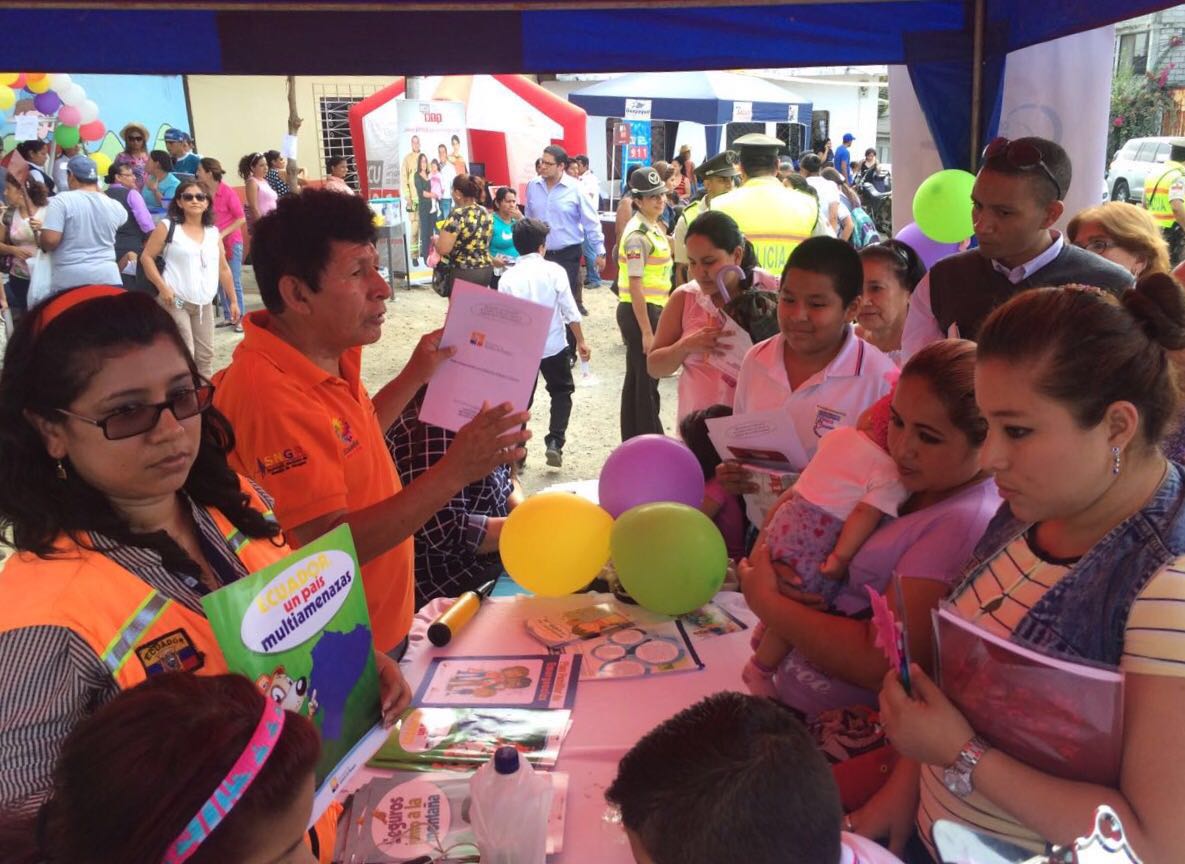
(193,196)
(138,419)
(1023,155)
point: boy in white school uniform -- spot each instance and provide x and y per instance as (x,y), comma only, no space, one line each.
(535,278)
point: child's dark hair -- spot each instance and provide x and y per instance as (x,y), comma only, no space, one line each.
(332,162)
(131,776)
(46,370)
(528,235)
(722,780)
(295,239)
(1090,350)
(832,257)
(693,429)
(722,231)
(900,258)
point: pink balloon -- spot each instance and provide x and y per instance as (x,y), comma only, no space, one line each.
(69,116)
(92,131)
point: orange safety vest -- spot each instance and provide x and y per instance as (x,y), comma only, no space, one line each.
(135,630)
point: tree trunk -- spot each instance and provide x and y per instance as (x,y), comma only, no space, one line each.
(294,122)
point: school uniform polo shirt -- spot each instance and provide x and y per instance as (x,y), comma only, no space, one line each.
(313,441)
(858,376)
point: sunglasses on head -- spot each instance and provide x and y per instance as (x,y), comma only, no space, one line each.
(192,196)
(1022,155)
(138,419)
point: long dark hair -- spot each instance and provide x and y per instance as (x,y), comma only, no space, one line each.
(177,213)
(38,194)
(46,371)
(722,231)
(131,776)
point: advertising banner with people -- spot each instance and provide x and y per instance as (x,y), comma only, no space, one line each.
(414,149)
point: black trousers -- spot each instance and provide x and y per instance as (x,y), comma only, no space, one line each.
(639,392)
(557,376)
(569,259)
(476,275)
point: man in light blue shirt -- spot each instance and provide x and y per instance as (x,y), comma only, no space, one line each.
(557,199)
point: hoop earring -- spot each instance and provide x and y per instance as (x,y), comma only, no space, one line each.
(1115,456)
(60,471)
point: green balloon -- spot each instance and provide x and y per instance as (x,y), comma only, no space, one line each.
(66,136)
(669,557)
(942,206)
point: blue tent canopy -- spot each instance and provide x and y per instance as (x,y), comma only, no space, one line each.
(954,49)
(710,98)
(700,97)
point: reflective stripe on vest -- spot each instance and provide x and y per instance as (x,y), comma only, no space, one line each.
(120,648)
(773,218)
(1156,195)
(656,273)
(237,540)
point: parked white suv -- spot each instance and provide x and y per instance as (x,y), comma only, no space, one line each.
(1132,164)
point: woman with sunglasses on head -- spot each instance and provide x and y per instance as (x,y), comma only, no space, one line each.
(135,152)
(116,494)
(891,271)
(195,265)
(261,198)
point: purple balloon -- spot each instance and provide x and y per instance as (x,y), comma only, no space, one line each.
(47,102)
(928,250)
(647,469)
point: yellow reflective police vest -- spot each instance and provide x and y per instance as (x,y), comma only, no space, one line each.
(656,276)
(773,218)
(1156,192)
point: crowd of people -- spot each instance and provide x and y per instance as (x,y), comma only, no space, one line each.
(997,436)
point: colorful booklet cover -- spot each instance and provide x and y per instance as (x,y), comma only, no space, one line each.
(575,625)
(420,818)
(516,681)
(426,739)
(1059,716)
(300,630)
(710,621)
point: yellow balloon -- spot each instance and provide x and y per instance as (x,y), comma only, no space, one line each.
(7,78)
(555,543)
(102,162)
(40,85)
(7,98)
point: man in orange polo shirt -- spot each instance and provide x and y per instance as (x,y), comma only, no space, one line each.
(305,427)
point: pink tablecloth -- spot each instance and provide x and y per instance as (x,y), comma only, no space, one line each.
(610,715)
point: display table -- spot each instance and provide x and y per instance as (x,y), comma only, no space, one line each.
(609,715)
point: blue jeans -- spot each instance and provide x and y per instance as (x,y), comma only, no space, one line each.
(590,263)
(446,207)
(235,260)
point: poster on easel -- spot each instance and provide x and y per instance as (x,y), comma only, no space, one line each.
(414,149)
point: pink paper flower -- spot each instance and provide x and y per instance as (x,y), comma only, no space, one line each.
(886,628)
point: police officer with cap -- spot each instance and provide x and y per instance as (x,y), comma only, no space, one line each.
(773,218)
(644,264)
(718,176)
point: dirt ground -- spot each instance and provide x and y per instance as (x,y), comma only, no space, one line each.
(594,429)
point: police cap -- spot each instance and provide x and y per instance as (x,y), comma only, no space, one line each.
(721,165)
(646,181)
(759,141)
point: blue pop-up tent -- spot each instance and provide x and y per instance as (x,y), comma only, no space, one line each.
(954,49)
(709,98)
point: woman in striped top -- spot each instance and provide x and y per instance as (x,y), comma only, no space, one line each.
(1085,561)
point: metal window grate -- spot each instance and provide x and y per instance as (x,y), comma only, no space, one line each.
(333,103)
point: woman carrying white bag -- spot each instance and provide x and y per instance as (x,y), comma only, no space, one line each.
(194,266)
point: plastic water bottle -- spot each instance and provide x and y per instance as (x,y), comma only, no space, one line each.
(509,808)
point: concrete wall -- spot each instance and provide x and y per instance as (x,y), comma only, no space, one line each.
(238,114)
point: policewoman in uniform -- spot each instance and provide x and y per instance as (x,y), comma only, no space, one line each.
(773,218)
(117,496)
(1164,196)
(718,176)
(644,262)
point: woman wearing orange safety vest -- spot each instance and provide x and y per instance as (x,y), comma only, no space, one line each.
(116,494)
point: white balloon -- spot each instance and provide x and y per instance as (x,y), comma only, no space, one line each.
(59,81)
(73,95)
(88,111)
